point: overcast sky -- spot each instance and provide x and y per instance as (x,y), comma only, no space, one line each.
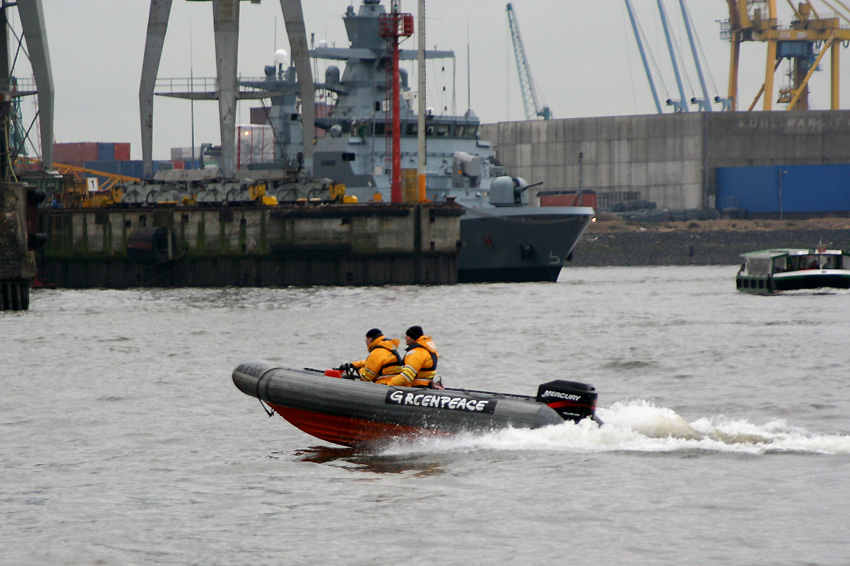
(582,54)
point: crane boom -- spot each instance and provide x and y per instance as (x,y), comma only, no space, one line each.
(646,68)
(526,84)
(705,103)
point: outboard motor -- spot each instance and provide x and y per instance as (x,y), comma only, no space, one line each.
(570,399)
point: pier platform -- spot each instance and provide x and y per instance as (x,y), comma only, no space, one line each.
(298,244)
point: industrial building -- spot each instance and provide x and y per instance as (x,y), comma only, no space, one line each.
(767,163)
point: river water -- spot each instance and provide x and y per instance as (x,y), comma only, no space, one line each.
(726,436)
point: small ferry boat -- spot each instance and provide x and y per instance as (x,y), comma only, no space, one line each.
(786,269)
(351,412)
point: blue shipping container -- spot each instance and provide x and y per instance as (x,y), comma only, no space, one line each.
(132,168)
(107,166)
(105,151)
(118,167)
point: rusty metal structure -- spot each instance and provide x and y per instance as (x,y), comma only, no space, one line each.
(18,201)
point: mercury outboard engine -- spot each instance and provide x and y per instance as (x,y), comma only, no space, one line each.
(570,399)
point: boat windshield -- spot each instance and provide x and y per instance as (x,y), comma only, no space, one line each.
(805,262)
(830,262)
(756,266)
(814,261)
(783,263)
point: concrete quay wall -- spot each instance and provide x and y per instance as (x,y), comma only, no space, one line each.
(252,246)
(684,247)
(670,159)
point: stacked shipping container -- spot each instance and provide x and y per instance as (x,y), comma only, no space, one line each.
(109,157)
(77,153)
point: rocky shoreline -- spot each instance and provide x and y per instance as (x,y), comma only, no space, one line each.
(612,241)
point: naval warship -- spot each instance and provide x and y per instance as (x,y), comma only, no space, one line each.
(503,238)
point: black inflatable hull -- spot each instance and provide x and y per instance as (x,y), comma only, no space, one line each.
(353,413)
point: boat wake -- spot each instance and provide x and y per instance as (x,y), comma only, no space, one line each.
(817,291)
(639,426)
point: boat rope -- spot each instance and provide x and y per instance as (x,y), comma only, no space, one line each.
(268,411)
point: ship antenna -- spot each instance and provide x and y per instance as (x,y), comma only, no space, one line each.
(468,71)
(192,89)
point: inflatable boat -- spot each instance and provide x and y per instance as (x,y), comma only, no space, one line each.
(350,412)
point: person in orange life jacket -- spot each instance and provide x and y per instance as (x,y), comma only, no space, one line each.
(420,361)
(383,358)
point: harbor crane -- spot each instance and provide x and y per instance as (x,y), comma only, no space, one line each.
(226,32)
(804,43)
(680,105)
(31,14)
(526,84)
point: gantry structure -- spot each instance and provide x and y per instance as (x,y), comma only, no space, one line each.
(226,29)
(805,42)
(31,15)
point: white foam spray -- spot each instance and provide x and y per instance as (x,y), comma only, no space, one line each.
(640,426)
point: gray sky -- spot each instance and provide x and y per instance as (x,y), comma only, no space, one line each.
(582,55)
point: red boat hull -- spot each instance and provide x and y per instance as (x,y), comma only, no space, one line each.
(346,431)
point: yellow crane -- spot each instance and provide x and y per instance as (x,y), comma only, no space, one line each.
(76,192)
(805,42)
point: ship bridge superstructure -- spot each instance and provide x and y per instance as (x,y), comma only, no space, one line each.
(355,148)
(361,88)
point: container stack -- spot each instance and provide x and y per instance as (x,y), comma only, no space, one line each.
(109,157)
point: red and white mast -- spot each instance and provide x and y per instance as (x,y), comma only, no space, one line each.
(392,26)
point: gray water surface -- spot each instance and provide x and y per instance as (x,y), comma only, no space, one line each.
(726,436)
